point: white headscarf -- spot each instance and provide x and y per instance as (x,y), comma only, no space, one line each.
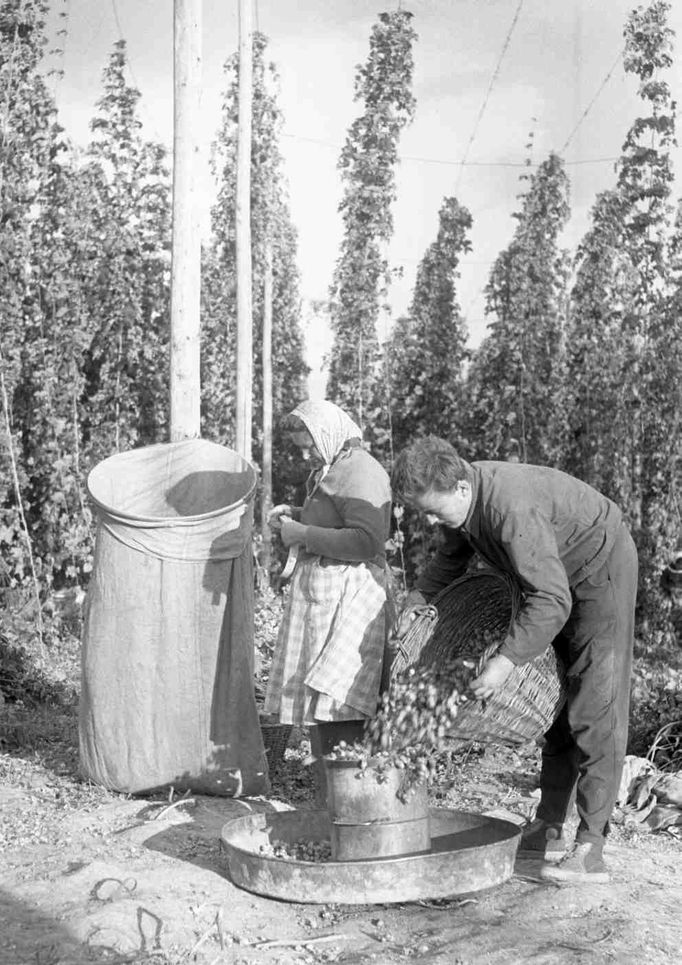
(329,426)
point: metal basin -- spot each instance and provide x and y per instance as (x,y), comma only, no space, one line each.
(469,852)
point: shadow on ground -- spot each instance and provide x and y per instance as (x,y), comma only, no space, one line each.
(29,935)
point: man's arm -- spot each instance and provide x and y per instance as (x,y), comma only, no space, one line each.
(529,541)
(449,562)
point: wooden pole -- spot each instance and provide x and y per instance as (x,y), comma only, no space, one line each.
(243,234)
(185,387)
(266,501)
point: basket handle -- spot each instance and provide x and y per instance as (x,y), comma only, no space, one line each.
(427,615)
(424,621)
(426,612)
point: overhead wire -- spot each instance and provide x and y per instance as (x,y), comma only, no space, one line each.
(464,162)
(594,101)
(449,162)
(580,161)
(603,84)
(491,85)
(121,36)
(601,87)
(134,79)
(117,19)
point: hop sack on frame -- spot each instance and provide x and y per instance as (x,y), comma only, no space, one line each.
(167,665)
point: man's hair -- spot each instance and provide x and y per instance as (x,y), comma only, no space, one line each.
(427,464)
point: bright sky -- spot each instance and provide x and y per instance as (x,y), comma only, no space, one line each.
(558,64)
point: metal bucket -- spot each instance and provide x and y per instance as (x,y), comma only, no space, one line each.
(368,819)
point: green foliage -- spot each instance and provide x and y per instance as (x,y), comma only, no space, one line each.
(426,355)
(624,366)
(85,268)
(84,246)
(661,449)
(367,164)
(85,275)
(651,322)
(27,678)
(514,384)
(597,417)
(656,696)
(126,391)
(33,361)
(428,347)
(268,611)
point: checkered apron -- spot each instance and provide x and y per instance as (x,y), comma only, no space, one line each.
(328,659)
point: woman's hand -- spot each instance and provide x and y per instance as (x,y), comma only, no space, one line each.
(277,512)
(491,678)
(291,532)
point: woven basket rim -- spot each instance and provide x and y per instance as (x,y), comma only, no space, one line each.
(428,617)
(488,574)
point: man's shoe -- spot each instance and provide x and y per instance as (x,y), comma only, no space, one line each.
(583,864)
(542,841)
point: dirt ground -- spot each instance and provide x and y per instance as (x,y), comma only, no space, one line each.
(88,876)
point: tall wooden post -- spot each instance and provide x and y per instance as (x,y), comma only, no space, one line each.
(185,387)
(243,234)
(266,501)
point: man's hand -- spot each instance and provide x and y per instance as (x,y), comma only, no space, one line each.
(277,512)
(408,614)
(491,678)
(291,532)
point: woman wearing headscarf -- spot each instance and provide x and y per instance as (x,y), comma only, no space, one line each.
(327,665)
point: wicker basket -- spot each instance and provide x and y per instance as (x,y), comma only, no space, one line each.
(275,739)
(475,608)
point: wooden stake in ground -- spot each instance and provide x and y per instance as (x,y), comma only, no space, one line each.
(243,234)
(266,500)
(185,388)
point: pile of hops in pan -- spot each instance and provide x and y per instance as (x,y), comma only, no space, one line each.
(301,850)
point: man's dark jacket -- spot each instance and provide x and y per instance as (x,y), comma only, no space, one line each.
(547,529)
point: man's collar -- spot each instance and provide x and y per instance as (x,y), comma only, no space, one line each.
(472,524)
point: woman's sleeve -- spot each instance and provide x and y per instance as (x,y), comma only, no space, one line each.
(363,502)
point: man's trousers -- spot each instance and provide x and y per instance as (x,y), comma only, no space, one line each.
(586,745)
